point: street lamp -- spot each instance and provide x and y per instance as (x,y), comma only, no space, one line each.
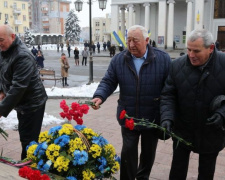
(78,7)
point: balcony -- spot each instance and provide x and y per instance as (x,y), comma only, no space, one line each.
(17,22)
(16,11)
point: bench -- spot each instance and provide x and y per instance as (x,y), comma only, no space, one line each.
(49,74)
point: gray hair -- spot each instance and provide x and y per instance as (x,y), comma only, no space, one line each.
(201,33)
(143,30)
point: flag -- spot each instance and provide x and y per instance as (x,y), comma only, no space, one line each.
(149,33)
(198,17)
(122,39)
(116,38)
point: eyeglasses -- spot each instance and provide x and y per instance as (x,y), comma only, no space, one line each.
(134,39)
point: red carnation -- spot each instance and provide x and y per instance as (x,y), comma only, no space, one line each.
(75,106)
(79,121)
(84,108)
(45,177)
(123,114)
(129,123)
(23,172)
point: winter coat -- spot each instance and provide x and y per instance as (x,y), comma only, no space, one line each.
(85,53)
(186,100)
(20,80)
(76,54)
(139,95)
(64,72)
(40,61)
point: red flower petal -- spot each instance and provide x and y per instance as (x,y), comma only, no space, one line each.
(122,114)
(129,123)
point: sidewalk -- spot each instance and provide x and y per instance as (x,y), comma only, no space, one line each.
(103,121)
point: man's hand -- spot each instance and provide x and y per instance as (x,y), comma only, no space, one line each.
(215,120)
(2,96)
(97,102)
(167,124)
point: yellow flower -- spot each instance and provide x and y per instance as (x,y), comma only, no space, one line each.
(110,151)
(88,175)
(66,129)
(116,167)
(61,163)
(52,152)
(30,152)
(76,144)
(89,133)
(44,137)
(34,165)
(95,150)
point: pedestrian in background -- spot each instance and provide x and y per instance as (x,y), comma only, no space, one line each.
(34,51)
(68,49)
(64,69)
(104,46)
(61,45)
(98,46)
(21,87)
(76,56)
(40,60)
(140,72)
(58,47)
(85,54)
(192,105)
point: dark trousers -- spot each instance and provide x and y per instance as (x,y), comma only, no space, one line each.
(180,162)
(129,168)
(30,127)
(84,61)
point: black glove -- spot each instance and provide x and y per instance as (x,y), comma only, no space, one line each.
(167,124)
(215,120)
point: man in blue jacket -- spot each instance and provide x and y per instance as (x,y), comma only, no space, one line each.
(140,73)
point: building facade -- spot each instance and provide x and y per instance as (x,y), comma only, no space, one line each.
(16,14)
(101,28)
(49,16)
(171,21)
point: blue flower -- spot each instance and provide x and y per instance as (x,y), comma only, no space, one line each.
(79,127)
(31,143)
(71,178)
(103,162)
(44,166)
(101,141)
(53,130)
(62,140)
(80,157)
(40,150)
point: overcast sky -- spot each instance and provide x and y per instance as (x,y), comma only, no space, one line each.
(83,15)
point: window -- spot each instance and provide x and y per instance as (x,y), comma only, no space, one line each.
(14,5)
(219,6)
(24,17)
(24,28)
(23,6)
(0,16)
(6,16)
(103,24)
(96,23)
(16,29)
(5,4)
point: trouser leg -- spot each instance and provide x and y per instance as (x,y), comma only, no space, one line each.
(149,141)
(207,165)
(63,81)
(129,154)
(180,162)
(30,127)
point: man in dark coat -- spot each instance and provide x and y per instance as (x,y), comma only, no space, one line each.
(20,87)
(194,81)
(140,72)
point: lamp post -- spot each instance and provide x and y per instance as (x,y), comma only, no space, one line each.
(78,7)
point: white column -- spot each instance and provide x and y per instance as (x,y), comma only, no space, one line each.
(189,18)
(199,14)
(123,20)
(130,15)
(161,24)
(170,24)
(114,21)
(147,15)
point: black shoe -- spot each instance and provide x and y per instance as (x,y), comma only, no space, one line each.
(66,84)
